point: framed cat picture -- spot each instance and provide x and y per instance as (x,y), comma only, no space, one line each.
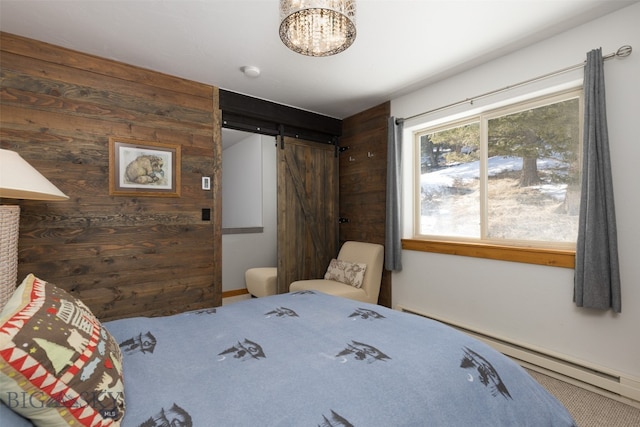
(143,168)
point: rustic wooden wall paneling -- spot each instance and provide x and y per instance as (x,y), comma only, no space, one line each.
(363,168)
(124,256)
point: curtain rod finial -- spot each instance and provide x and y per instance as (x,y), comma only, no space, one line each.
(624,51)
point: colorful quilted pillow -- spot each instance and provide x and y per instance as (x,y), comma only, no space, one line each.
(58,365)
(350,273)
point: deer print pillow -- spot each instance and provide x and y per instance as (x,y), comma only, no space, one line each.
(58,365)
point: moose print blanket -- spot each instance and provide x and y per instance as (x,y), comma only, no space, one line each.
(310,359)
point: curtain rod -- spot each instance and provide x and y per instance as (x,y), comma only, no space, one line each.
(622,52)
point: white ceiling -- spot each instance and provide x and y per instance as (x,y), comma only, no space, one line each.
(400,44)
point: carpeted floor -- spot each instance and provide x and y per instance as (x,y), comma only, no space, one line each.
(589,409)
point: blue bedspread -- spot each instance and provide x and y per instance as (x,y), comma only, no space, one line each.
(310,359)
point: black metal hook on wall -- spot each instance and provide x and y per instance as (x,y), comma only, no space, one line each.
(281,131)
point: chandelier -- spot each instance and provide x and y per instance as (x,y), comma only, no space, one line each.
(317,27)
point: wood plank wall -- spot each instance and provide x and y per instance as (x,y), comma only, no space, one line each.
(363,169)
(123,256)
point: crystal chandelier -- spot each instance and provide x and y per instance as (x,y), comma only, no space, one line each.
(318,27)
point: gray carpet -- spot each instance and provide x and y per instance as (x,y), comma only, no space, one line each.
(589,409)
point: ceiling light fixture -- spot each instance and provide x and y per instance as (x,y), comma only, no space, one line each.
(317,27)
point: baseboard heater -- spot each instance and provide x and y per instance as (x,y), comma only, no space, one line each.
(597,379)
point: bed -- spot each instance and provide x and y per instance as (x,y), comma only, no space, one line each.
(297,359)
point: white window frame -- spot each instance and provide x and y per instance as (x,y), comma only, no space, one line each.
(453,244)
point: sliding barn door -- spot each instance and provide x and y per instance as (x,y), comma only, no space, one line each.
(307,210)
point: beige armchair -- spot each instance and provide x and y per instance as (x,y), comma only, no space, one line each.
(370,254)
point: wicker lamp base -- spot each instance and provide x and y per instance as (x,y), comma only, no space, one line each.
(9,225)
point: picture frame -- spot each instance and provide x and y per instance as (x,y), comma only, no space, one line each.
(143,168)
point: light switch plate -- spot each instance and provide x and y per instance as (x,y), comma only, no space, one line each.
(206,183)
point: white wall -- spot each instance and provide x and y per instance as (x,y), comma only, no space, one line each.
(242,183)
(529,303)
(243,251)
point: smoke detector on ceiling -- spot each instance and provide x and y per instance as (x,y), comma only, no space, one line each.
(250,71)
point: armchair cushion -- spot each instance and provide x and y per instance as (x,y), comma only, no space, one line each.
(329,287)
(349,273)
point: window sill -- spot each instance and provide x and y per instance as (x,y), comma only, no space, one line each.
(549,257)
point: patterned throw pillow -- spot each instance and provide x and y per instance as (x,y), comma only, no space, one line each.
(350,273)
(58,365)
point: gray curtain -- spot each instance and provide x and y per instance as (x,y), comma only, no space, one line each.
(597,274)
(393,245)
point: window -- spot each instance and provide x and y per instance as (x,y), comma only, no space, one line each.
(509,176)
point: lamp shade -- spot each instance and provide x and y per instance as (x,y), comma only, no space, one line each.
(20,180)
